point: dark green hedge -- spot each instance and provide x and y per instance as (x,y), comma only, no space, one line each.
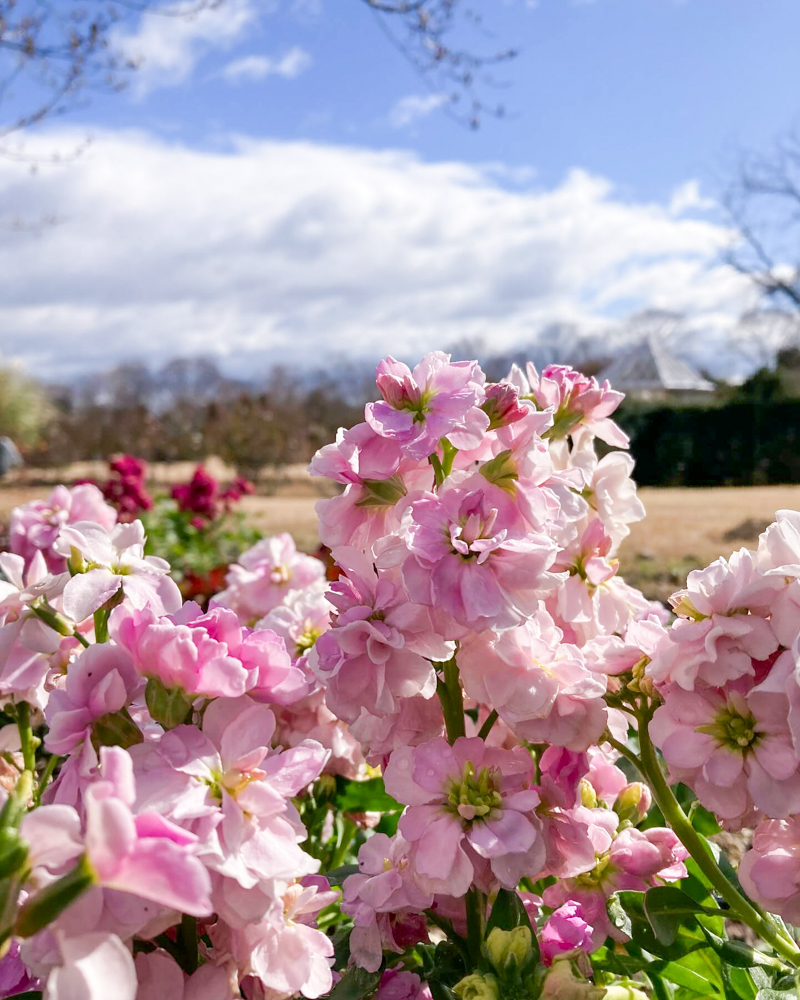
(741,444)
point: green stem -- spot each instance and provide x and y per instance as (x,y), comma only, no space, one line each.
(26,736)
(674,815)
(476,909)
(101,625)
(449,453)
(452,700)
(187,935)
(81,639)
(486,728)
(47,774)
(438,471)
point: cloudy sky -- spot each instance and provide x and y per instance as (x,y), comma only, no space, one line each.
(277,183)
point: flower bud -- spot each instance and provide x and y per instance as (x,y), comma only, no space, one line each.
(477,987)
(169,706)
(54,619)
(116,729)
(588,794)
(562,982)
(633,802)
(501,471)
(624,991)
(505,948)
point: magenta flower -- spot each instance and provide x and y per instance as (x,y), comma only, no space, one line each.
(209,653)
(579,403)
(264,575)
(380,645)
(565,930)
(398,985)
(199,495)
(471,556)
(35,526)
(733,747)
(539,685)
(466,800)
(438,399)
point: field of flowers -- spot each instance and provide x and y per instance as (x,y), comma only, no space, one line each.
(451,754)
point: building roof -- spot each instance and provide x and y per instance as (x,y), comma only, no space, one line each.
(650,367)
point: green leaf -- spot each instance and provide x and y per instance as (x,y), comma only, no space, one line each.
(676,972)
(337,875)
(441,992)
(738,954)
(738,983)
(508,912)
(702,820)
(355,984)
(367,796)
(667,907)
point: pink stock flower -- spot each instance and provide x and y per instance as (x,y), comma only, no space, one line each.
(209,653)
(311,719)
(101,682)
(466,800)
(142,853)
(264,575)
(539,685)
(89,963)
(287,954)
(778,557)
(565,930)
(161,978)
(610,490)
(380,896)
(358,456)
(636,860)
(112,561)
(300,620)
(415,720)
(438,399)
(126,490)
(770,870)
(579,403)
(199,495)
(614,655)
(35,526)
(396,984)
(471,556)
(722,626)
(378,650)
(15,977)
(226,784)
(733,747)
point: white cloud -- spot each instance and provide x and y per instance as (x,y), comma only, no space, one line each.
(290,251)
(167,48)
(687,196)
(291,64)
(414,107)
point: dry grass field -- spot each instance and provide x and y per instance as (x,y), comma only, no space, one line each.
(684,528)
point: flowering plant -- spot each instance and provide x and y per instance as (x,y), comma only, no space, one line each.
(475,765)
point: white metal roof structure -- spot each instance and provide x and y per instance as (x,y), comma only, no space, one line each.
(649,367)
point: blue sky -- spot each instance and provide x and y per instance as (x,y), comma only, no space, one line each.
(269,153)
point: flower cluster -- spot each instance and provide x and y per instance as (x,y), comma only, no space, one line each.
(413,775)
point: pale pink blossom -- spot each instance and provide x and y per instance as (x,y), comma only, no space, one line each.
(380,896)
(35,526)
(471,555)
(379,648)
(110,561)
(415,720)
(723,626)
(770,870)
(161,978)
(466,800)
(311,719)
(300,620)
(439,398)
(264,575)
(539,685)
(100,683)
(733,747)
(610,490)
(89,963)
(579,403)
(209,653)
